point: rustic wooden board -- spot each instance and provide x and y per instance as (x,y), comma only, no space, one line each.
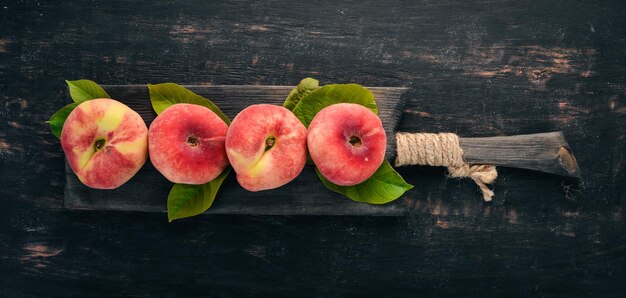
(148,190)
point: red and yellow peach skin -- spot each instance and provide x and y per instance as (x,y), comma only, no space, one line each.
(347,143)
(266,145)
(186,144)
(105,142)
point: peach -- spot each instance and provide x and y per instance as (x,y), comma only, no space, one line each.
(266,145)
(186,144)
(105,142)
(347,143)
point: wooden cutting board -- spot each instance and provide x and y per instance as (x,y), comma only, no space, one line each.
(306,195)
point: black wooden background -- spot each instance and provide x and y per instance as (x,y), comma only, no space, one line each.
(477,68)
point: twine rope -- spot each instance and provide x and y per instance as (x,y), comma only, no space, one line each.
(442,149)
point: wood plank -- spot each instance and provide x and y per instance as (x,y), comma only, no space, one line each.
(147,191)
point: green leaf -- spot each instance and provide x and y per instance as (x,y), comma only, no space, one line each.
(165,95)
(384,186)
(82,90)
(58,119)
(328,95)
(187,200)
(306,87)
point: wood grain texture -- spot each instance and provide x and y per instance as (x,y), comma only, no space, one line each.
(475,68)
(306,195)
(544,152)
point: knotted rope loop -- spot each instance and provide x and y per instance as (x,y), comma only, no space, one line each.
(443,150)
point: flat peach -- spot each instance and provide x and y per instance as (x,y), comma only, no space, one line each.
(186,144)
(266,145)
(105,142)
(347,143)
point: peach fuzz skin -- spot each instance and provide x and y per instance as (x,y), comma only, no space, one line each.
(186,144)
(105,142)
(347,143)
(260,127)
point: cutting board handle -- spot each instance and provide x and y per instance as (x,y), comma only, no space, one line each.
(545,152)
